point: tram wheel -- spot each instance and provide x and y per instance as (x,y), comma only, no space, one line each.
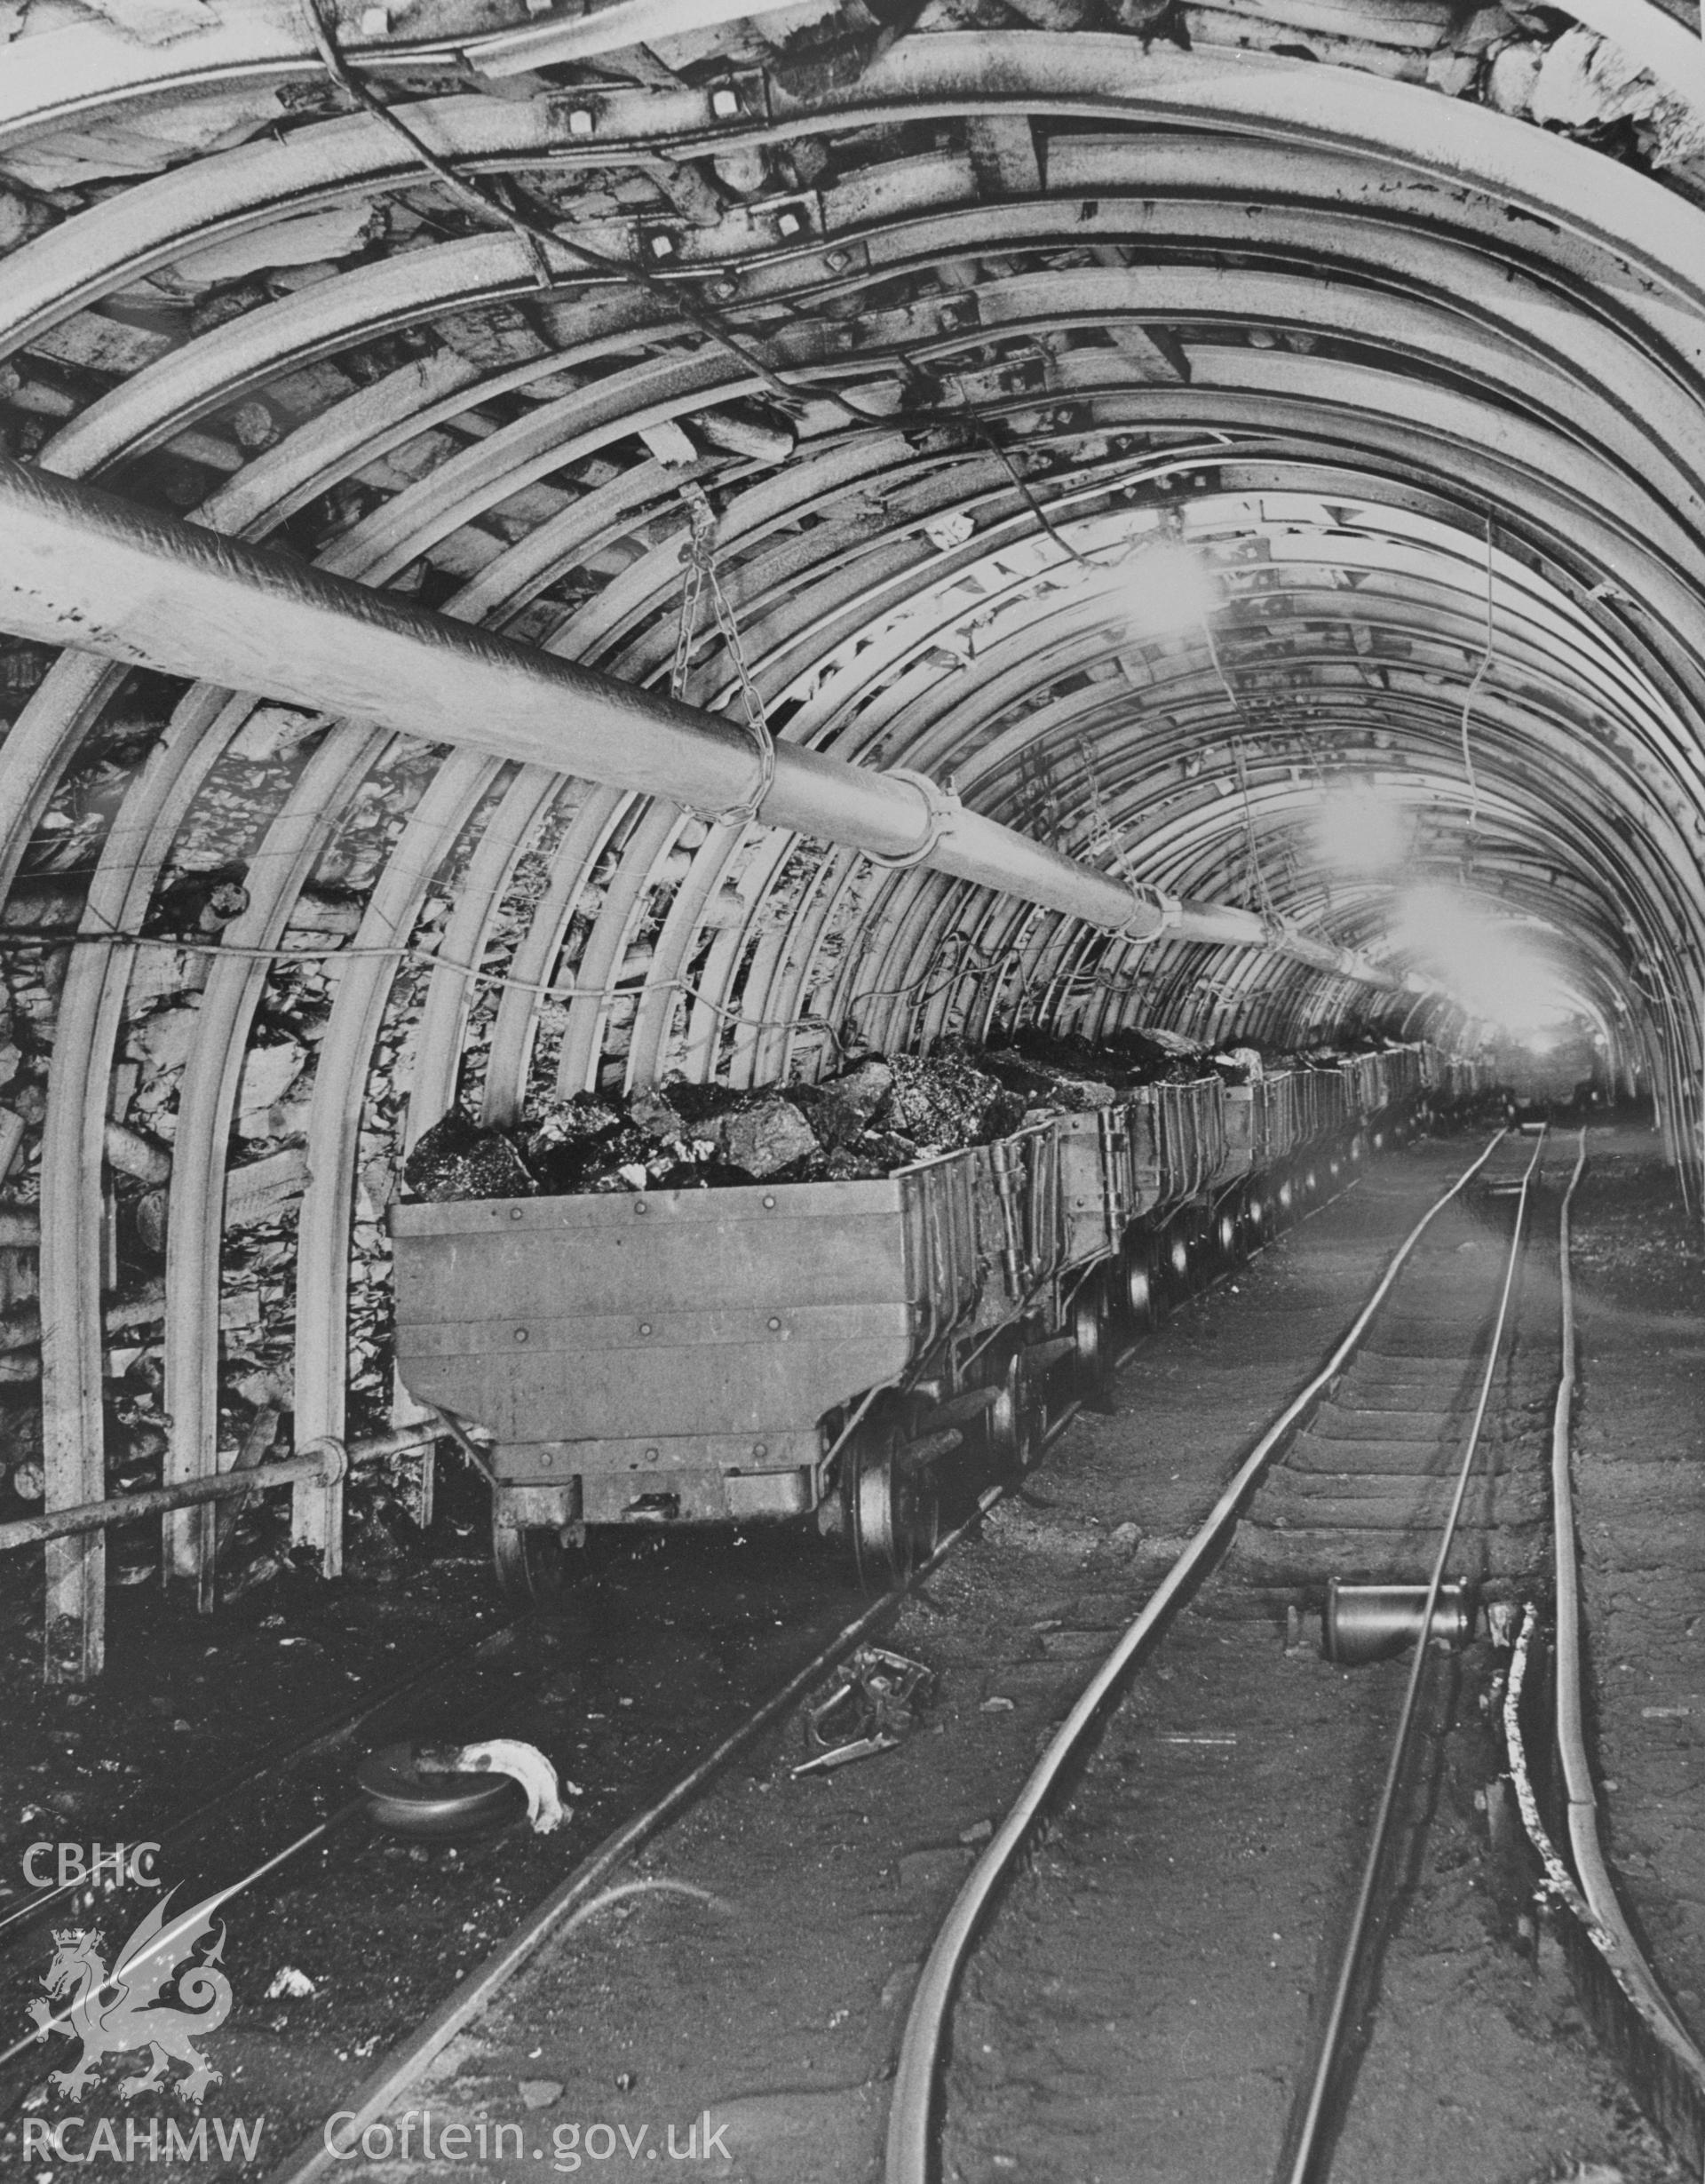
(891,1506)
(1014,1424)
(1142,1284)
(1091,1331)
(536,1569)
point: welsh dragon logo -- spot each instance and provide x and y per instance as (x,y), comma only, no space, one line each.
(121,2012)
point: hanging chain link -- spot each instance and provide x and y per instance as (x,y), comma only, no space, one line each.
(700,576)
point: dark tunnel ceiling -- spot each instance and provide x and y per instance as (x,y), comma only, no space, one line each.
(1411,385)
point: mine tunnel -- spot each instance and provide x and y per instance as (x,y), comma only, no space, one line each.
(851,1088)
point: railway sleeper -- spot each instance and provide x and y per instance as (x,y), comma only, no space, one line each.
(1301,1560)
(1399,1502)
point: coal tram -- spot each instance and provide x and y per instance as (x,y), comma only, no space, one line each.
(851,1351)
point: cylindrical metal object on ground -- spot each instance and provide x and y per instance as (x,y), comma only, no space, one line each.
(405,1799)
(1367,1622)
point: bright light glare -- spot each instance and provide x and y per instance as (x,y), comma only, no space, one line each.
(1170,589)
(1482,964)
(1361,829)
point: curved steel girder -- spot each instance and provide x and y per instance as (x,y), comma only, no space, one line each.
(935,756)
(321,1347)
(577,1057)
(528,803)
(1197,842)
(91,1003)
(1027,655)
(1555,492)
(516,1026)
(1517,770)
(1135,756)
(44,737)
(1089,78)
(1051,640)
(712,863)
(287,856)
(79,70)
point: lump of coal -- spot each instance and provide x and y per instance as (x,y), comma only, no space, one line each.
(1044,1084)
(456,1159)
(710,1174)
(841,1106)
(659,1116)
(945,1102)
(571,1122)
(766,1137)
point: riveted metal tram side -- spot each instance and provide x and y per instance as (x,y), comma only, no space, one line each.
(671,1357)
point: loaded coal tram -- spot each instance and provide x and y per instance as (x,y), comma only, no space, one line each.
(851,1349)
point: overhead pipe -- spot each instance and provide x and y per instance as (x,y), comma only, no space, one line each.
(83,568)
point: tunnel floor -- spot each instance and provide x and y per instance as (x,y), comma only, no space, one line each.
(775,2009)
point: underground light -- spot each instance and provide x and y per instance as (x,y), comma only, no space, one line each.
(1360,829)
(1489,970)
(1169,589)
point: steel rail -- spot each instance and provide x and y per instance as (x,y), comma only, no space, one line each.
(185,1923)
(911,2147)
(226,1793)
(311,2157)
(1313,2121)
(1675,2053)
(1580,1789)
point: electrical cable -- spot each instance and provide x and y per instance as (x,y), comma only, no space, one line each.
(1480,674)
(700,573)
(538,237)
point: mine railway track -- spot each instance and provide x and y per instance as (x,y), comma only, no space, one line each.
(591,1877)
(257,1825)
(234,1801)
(264,1821)
(1418,1459)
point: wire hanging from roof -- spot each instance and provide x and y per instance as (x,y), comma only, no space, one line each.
(1480,673)
(699,576)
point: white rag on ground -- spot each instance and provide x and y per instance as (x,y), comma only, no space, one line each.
(507,1755)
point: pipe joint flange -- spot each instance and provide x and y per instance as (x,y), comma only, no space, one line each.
(333,1458)
(1147,897)
(943,807)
